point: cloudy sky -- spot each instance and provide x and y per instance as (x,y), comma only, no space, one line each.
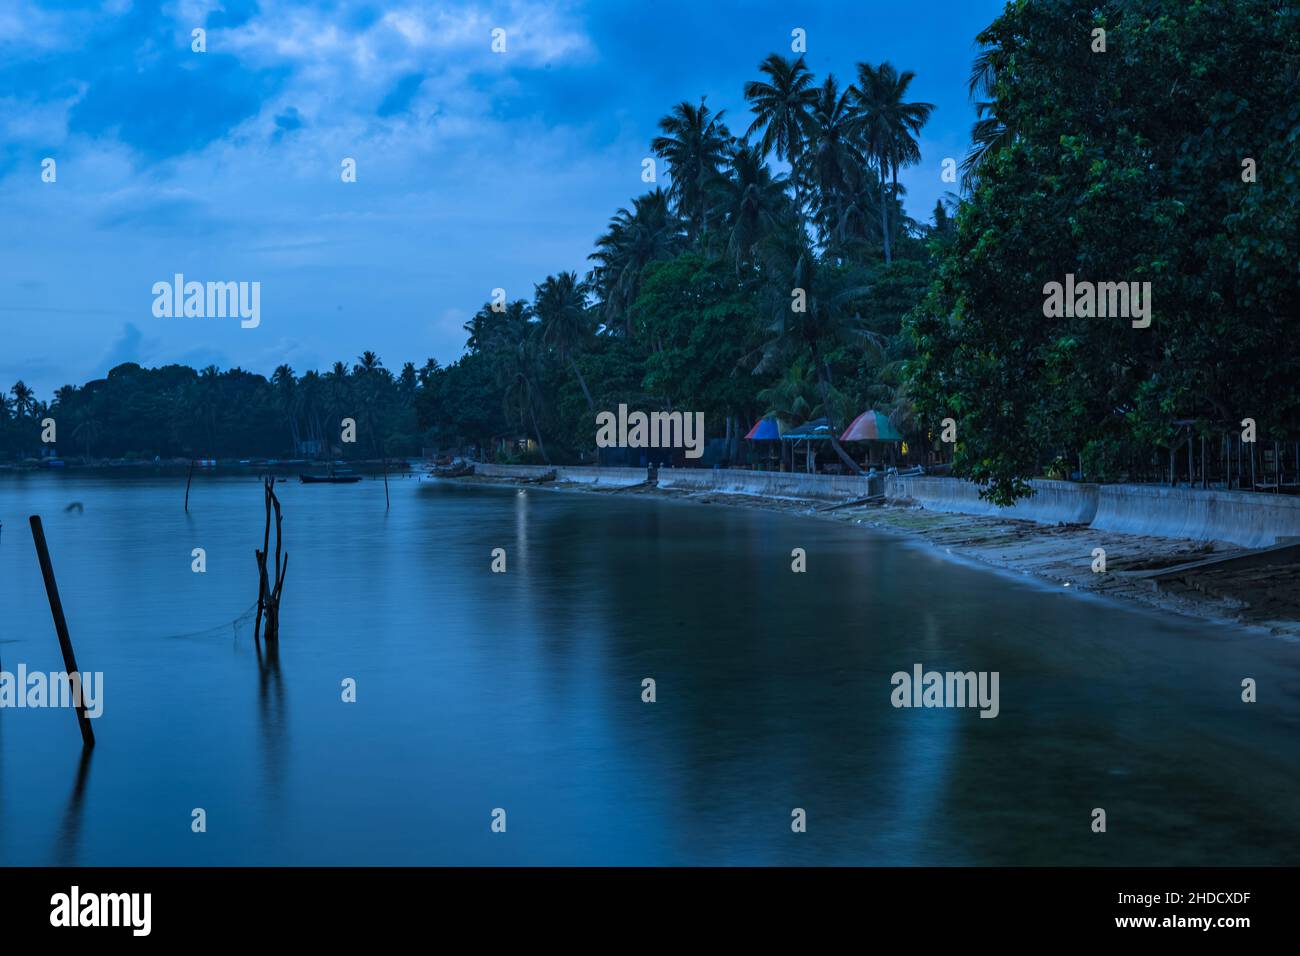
(474,169)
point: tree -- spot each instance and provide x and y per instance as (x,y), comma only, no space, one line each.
(560,304)
(747,203)
(782,106)
(809,305)
(1125,167)
(888,126)
(695,144)
(647,233)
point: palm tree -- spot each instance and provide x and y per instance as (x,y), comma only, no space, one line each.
(286,393)
(825,319)
(748,202)
(782,106)
(831,159)
(24,399)
(695,144)
(561,304)
(647,233)
(887,127)
(519,372)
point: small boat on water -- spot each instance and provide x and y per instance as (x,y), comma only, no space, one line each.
(458,470)
(328,479)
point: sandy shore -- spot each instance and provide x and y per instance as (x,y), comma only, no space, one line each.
(1263,597)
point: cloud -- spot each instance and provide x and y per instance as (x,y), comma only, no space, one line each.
(399,98)
(126,348)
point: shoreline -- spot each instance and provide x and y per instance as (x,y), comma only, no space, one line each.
(1260,599)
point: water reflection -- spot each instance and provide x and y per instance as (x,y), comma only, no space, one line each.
(272,713)
(69,836)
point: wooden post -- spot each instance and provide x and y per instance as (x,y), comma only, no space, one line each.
(60,624)
(387,503)
(187,486)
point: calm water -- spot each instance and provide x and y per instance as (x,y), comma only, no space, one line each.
(523,691)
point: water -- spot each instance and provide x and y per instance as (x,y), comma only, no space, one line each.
(523,691)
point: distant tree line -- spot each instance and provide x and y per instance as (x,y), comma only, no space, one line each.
(178,412)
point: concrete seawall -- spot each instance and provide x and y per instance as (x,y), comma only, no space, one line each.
(1054,502)
(1251,519)
(769,484)
(1248,519)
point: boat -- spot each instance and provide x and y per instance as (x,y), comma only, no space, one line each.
(461,470)
(328,479)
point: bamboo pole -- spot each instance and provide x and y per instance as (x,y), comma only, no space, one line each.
(60,624)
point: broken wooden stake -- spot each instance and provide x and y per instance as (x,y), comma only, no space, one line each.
(60,625)
(268,590)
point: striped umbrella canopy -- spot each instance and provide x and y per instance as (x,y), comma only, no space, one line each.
(871,426)
(765,429)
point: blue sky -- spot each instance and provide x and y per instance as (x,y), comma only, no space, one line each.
(475,170)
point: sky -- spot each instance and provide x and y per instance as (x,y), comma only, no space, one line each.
(475,169)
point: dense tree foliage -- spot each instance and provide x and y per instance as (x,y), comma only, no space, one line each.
(1128,165)
(177,412)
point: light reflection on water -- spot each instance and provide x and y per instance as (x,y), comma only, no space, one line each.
(522,690)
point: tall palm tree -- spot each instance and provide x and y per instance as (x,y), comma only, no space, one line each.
(748,202)
(560,303)
(24,399)
(519,374)
(782,106)
(649,232)
(831,159)
(888,127)
(288,400)
(695,144)
(826,318)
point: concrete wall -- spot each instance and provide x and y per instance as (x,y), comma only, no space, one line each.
(1251,519)
(613,477)
(772,484)
(1248,519)
(1054,502)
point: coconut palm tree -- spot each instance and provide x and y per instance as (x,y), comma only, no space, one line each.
(288,401)
(695,144)
(831,158)
(650,231)
(809,305)
(782,106)
(519,374)
(748,203)
(560,303)
(887,127)
(24,399)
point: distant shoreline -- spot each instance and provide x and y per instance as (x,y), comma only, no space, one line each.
(172,466)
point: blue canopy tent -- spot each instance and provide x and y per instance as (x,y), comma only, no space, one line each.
(766,428)
(817,430)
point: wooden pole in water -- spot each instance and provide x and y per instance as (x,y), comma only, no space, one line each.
(187,486)
(387,503)
(60,623)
